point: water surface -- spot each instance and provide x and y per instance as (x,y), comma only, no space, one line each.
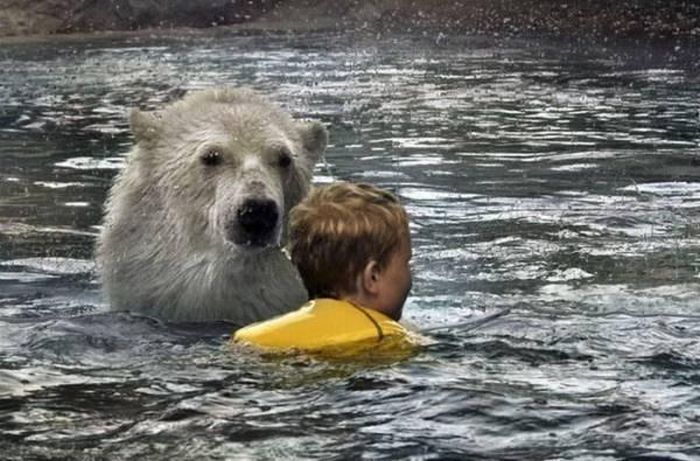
(561,180)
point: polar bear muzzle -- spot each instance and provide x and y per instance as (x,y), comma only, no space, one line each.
(255,224)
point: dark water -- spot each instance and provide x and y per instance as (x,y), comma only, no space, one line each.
(559,180)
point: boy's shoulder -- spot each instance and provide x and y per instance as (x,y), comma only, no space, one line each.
(320,324)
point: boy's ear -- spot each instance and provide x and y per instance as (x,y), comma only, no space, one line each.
(370,277)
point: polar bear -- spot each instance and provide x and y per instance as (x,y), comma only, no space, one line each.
(195,223)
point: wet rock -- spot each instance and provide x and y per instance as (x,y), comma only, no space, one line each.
(140,14)
(25,17)
(647,18)
(581,18)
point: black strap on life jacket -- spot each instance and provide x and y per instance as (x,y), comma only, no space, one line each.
(380,333)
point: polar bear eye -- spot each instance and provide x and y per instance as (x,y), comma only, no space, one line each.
(284,158)
(211,157)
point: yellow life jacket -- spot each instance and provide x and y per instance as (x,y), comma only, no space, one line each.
(331,327)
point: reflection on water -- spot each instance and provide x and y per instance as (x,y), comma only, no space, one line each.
(560,182)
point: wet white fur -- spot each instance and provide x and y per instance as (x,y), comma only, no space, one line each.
(163,249)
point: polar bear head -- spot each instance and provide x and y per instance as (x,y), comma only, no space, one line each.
(226,165)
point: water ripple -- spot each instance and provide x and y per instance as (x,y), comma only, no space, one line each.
(558,182)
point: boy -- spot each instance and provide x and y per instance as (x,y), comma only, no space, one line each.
(352,247)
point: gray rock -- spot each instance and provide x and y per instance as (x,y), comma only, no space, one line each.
(138,14)
(27,17)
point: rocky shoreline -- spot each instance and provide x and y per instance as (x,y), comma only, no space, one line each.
(586,18)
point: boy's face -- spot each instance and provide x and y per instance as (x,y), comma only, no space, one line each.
(395,282)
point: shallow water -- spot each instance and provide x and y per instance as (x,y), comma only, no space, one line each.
(561,180)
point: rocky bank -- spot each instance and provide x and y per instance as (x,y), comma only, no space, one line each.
(650,18)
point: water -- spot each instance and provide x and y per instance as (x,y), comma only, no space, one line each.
(557,179)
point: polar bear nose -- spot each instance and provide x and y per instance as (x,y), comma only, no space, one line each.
(256,221)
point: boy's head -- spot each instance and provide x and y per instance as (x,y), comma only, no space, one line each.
(351,241)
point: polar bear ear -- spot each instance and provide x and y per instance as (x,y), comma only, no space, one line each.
(146,126)
(314,137)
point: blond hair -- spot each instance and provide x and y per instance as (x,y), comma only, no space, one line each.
(338,229)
